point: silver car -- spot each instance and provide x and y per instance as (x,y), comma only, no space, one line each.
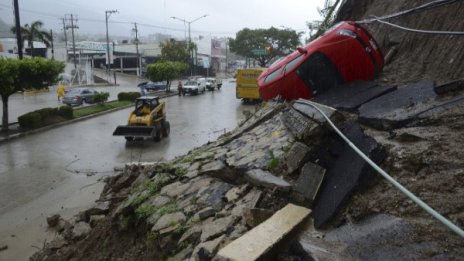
(78,96)
(193,88)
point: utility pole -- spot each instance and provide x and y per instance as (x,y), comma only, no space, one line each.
(53,50)
(73,40)
(227,45)
(107,15)
(19,41)
(137,49)
(65,36)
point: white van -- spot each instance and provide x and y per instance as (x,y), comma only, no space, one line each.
(202,83)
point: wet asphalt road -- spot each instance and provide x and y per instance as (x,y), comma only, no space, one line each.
(48,172)
(19,104)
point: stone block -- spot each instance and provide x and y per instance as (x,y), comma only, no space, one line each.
(205,213)
(216,228)
(174,189)
(80,230)
(94,220)
(296,156)
(236,192)
(263,178)
(168,220)
(206,250)
(53,220)
(99,208)
(263,241)
(255,216)
(309,181)
(219,170)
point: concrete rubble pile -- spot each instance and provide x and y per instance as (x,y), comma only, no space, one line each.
(194,206)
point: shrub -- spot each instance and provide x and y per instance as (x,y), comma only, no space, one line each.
(128,96)
(30,120)
(66,112)
(45,116)
(47,112)
(101,97)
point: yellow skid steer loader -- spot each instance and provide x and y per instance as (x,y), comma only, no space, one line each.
(147,120)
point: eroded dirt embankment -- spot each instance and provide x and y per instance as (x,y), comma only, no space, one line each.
(419,56)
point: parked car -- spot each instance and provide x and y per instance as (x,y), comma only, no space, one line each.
(153,86)
(345,53)
(211,84)
(202,81)
(79,96)
(193,88)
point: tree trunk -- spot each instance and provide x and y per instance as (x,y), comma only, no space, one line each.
(32,48)
(5,114)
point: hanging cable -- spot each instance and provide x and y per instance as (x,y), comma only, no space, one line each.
(395,183)
(429,5)
(419,30)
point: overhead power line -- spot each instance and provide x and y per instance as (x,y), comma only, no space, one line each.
(83,19)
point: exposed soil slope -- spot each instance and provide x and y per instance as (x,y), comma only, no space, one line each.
(419,56)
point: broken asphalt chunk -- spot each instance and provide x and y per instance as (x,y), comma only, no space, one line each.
(346,173)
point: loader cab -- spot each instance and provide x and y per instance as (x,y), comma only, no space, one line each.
(145,104)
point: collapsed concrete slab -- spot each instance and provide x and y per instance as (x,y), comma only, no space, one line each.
(346,173)
(396,109)
(261,242)
(350,97)
(448,87)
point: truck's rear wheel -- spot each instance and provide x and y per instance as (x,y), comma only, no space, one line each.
(128,138)
(166,129)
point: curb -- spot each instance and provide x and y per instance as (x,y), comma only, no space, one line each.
(52,126)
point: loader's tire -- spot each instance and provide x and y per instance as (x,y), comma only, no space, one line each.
(166,128)
(128,138)
(157,135)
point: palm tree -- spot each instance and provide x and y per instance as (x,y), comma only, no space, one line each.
(34,32)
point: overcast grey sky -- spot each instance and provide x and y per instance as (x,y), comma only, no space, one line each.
(224,18)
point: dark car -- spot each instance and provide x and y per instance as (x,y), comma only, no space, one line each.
(345,53)
(78,96)
(153,86)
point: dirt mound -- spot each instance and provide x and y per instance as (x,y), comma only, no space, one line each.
(418,56)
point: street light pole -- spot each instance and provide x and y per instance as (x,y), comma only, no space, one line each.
(107,15)
(190,39)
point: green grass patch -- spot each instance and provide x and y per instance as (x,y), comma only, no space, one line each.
(167,209)
(192,155)
(145,211)
(81,112)
(273,162)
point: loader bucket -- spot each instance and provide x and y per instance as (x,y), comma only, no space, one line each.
(135,131)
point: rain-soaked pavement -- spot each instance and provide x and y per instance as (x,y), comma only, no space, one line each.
(21,103)
(58,170)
